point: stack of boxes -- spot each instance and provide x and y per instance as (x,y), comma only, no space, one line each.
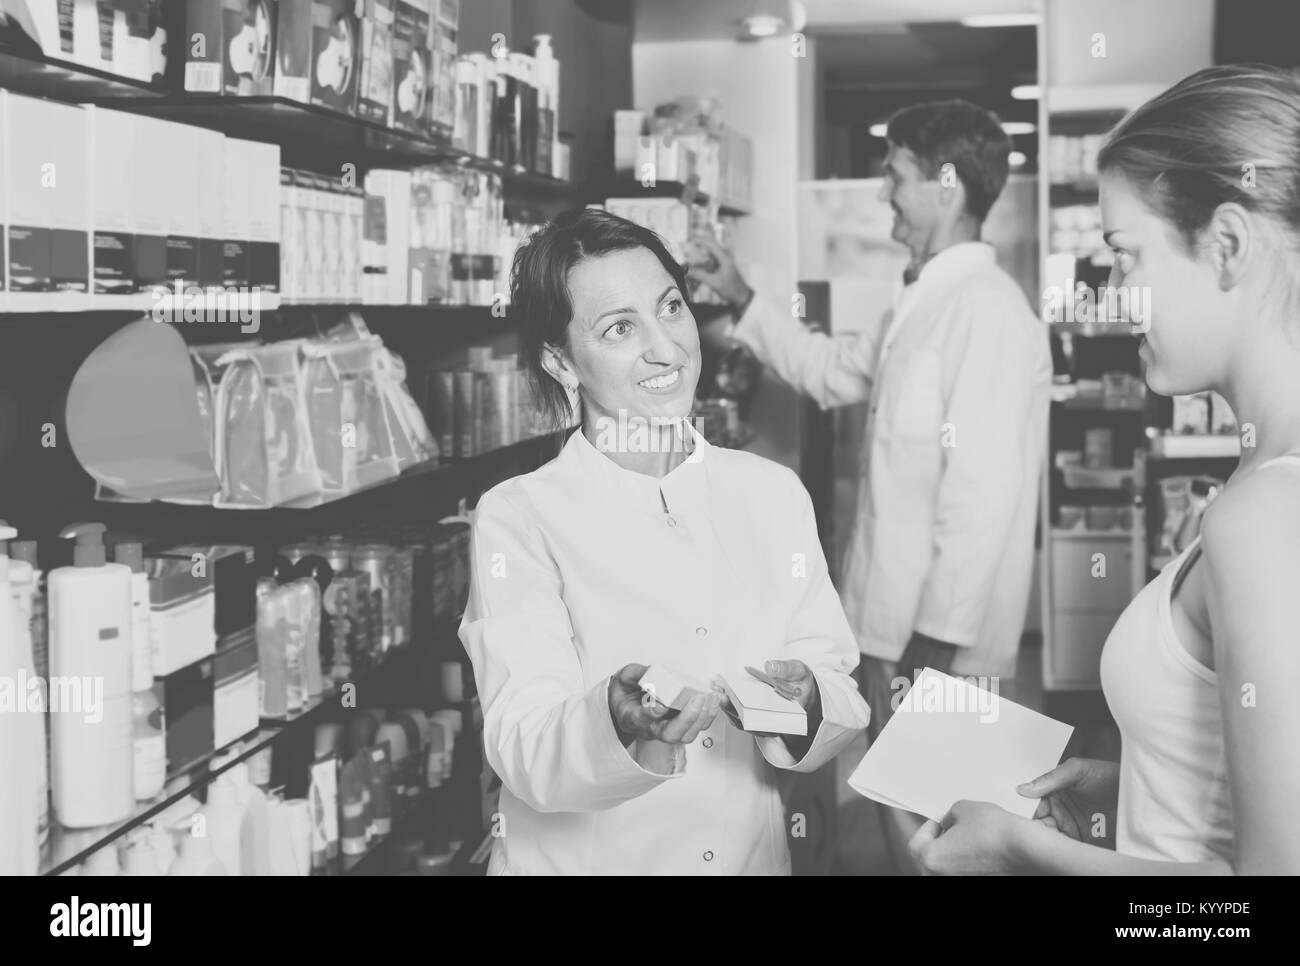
(391,62)
(102,209)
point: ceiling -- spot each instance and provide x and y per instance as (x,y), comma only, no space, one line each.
(668,20)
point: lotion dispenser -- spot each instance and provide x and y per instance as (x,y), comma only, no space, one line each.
(90,653)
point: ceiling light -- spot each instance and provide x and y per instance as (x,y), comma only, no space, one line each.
(761,25)
(1001,20)
(1019,127)
(1026,92)
(1017,159)
(878,130)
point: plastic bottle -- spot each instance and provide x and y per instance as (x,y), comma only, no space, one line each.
(90,641)
(196,858)
(14,830)
(254,836)
(31,777)
(26,551)
(102,862)
(140,859)
(547,73)
(147,732)
(525,132)
(223,824)
(505,121)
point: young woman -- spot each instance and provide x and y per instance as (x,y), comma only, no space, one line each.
(1200,199)
(641,544)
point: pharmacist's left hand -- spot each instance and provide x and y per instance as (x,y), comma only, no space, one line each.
(796,679)
(975,838)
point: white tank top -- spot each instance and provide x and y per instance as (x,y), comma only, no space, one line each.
(1174,802)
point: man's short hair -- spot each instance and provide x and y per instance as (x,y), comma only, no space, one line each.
(962,134)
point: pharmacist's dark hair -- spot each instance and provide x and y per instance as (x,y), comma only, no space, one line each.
(1224,134)
(962,134)
(539,287)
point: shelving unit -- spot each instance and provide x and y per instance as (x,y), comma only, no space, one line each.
(1087,575)
(660,189)
(69,847)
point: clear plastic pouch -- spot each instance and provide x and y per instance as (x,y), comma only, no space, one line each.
(347,415)
(263,441)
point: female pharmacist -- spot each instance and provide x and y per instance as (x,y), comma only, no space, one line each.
(1200,200)
(641,544)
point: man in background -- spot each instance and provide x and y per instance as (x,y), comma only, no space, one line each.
(957,377)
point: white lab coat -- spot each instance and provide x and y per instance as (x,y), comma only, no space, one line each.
(582,567)
(958,378)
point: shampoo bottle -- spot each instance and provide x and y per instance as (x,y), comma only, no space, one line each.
(14,832)
(31,778)
(196,858)
(149,745)
(223,824)
(90,641)
(547,75)
(25,550)
(140,859)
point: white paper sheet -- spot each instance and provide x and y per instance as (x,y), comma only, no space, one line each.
(950,740)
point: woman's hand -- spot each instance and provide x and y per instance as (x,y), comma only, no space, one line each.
(975,838)
(638,716)
(1078,798)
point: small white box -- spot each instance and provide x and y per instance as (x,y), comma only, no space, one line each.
(761,708)
(670,688)
(66,132)
(112,268)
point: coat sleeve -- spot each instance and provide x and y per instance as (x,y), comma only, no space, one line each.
(818,634)
(990,407)
(547,734)
(834,371)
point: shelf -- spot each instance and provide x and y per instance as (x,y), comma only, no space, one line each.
(1091,535)
(317,137)
(429,472)
(1174,447)
(70,847)
(660,189)
(39,76)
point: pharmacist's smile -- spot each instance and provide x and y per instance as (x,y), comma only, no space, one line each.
(664,382)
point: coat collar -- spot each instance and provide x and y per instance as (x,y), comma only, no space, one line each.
(685,486)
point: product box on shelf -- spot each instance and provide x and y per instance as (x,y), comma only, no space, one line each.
(375,88)
(180,190)
(182,612)
(140,40)
(66,132)
(237,188)
(209,198)
(293,50)
(444,25)
(150,161)
(335,62)
(234,586)
(188,700)
(263,190)
(230,46)
(411,65)
(386,238)
(28,267)
(113,223)
(235,689)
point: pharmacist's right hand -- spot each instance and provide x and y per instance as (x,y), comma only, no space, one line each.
(723,276)
(636,718)
(1074,795)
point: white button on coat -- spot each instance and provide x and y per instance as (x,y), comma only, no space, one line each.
(574,575)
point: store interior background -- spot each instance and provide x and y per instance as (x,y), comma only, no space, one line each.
(813,228)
